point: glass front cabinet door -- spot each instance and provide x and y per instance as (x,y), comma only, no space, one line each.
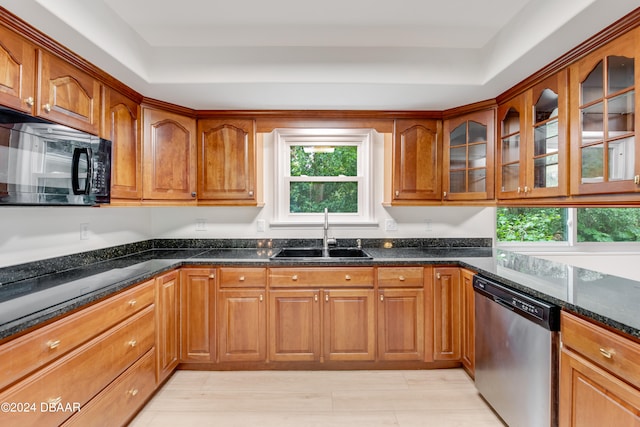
(532,143)
(468,156)
(604,151)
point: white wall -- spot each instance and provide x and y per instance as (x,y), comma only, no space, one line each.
(33,233)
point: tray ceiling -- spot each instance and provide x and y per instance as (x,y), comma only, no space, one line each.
(334,54)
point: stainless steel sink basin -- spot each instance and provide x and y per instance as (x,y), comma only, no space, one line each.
(307,254)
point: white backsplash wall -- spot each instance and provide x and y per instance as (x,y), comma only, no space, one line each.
(34,233)
(236,222)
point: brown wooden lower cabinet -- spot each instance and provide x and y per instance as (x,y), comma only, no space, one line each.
(197,315)
(294,325)
(167,324)
(118,403)
(78,376)
(446,313)
(599,376)
(349,325)
(401,324)
(313,325)
(468,321)
(242,331)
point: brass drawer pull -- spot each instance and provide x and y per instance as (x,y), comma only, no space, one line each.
(607,353)
(53,344)
(132,303)
(241,278)
(54,401)
(347,277)
(294,277)
(261,298)
(132,343)
(401,278)
(132,392)
(47,108)
(29,101)
(381,298)
(326,297)
(315,298)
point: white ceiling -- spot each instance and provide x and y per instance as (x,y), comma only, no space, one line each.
(329,54)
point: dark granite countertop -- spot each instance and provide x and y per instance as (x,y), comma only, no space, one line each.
(34,293)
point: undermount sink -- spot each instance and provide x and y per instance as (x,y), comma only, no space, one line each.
(317,254)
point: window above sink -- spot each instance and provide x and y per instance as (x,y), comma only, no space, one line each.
(323,168)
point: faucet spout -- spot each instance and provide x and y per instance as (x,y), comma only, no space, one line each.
(326,240)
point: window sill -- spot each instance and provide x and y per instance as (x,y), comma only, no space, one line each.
(314,224)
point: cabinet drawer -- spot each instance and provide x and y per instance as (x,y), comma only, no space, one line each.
(77,377)
(617,354)
(116,404)
(322,277)
(35,349)
(400,277)
(243,277)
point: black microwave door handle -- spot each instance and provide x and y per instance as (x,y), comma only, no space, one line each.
(75,166)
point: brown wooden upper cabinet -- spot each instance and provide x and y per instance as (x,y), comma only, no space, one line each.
(605,152)
(468,157)
(227,162)
(532,147)
(416,161)
(17,72)
(121,125)
(169,156)
(67,95)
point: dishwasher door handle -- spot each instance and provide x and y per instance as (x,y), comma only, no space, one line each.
(503,303)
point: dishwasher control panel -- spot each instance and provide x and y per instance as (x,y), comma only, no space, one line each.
(536,310)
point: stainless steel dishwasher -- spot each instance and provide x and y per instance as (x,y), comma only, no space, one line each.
(516,354)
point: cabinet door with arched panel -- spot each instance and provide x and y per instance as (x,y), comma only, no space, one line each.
(416,161)
(468,154)
(547,151)
(512,141)
(604,151)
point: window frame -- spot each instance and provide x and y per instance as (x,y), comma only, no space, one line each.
(284,139)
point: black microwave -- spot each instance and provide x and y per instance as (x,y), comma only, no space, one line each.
(43,163)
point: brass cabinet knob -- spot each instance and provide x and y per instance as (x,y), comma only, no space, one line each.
(241,278)
(401,278)
(29,101)
(132,392)
(347,277)
(47,108)
(132,343)
(132,303)
(294,277)
(381,298)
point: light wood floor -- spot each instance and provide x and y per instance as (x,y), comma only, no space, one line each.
(444,397)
